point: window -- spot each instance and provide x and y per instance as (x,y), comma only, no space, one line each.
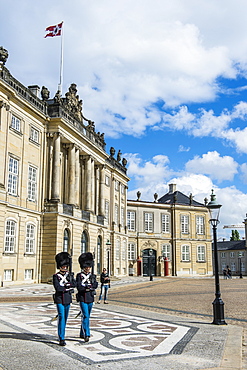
(66,235)
(232,254)
(148,220)
(122,216)
(117,251)
(116,214)
(124,250)
(28,274)
(223,266)
(122,189)
(84,242)
(116,185)
(131,251)
(13,176)
(223,254)
(107,212)
(201,253)
(30,238)
(166,251)
(34,135)
(185,224)
(16,123)
(233,266)
(8,275)
(242,266)
(185,253)
(107,180)
(200,229)
(32,183)
(131,217)
(165,223)
(10,236)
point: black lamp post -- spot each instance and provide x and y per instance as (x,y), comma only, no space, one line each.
(218,304)
(108,251)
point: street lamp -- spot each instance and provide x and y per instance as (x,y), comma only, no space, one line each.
(218,304)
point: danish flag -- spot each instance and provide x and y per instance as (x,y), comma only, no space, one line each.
(54,30)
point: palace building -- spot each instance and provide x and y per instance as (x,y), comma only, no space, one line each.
(169,236)
(59,189)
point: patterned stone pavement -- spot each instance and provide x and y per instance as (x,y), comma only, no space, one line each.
(114,336)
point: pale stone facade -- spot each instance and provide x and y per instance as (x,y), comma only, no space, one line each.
(59,189)
(176,227)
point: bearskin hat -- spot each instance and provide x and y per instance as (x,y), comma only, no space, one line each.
(62,259)
(86,260)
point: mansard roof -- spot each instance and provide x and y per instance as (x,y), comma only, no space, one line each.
(231,245)
(179,198)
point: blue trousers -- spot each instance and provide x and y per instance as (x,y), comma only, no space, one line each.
(104,287)
(86,309)
(63,312)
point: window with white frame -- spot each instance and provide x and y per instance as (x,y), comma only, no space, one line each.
(8,275)
(223,266)
(124,250)
(184,224)
(117,250)
(16,123)
(28,274)
(166,251)
(185,253)
(34,135)
(131,220)
(107,212)
(223,254)
(32,183)
(10,236)
(13,176)
(116,185)
(116,214)
(233,266)
(30,239)
(122,189)
(148,222)
(232,254)
(200,225)
(107,180)
(201,253)
(131,251)
(165,223)
(122,216)
(242,266)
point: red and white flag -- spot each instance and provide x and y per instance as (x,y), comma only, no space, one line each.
(54,30)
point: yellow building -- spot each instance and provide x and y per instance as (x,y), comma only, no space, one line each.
(59,189)
(174,226)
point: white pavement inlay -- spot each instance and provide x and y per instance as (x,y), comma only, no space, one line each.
(114,336)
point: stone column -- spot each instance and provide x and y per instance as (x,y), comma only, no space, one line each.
(77,176)
(88,184)
(71,197)
(93,186)
(56,166)
(101,189)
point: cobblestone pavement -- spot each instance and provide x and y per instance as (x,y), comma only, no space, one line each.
(173,331)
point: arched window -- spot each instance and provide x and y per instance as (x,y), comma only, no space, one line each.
(66,240)
(84,242)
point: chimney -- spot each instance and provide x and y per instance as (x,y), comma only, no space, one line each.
(172,188)
(34,89)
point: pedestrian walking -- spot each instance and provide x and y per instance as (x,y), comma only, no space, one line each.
(229,272)
(63,282)
(105,285)
(86,284)
(225,273)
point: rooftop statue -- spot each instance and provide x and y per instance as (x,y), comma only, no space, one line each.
(3,55)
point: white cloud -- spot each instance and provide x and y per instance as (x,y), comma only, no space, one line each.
(212,164)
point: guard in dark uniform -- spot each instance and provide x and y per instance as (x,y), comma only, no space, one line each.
(63,282)
(86,284)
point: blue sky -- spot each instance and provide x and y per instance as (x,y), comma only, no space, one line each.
(164,80)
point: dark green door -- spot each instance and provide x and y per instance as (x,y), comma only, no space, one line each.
(149,262)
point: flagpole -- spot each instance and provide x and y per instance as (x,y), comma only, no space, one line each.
(61,63)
